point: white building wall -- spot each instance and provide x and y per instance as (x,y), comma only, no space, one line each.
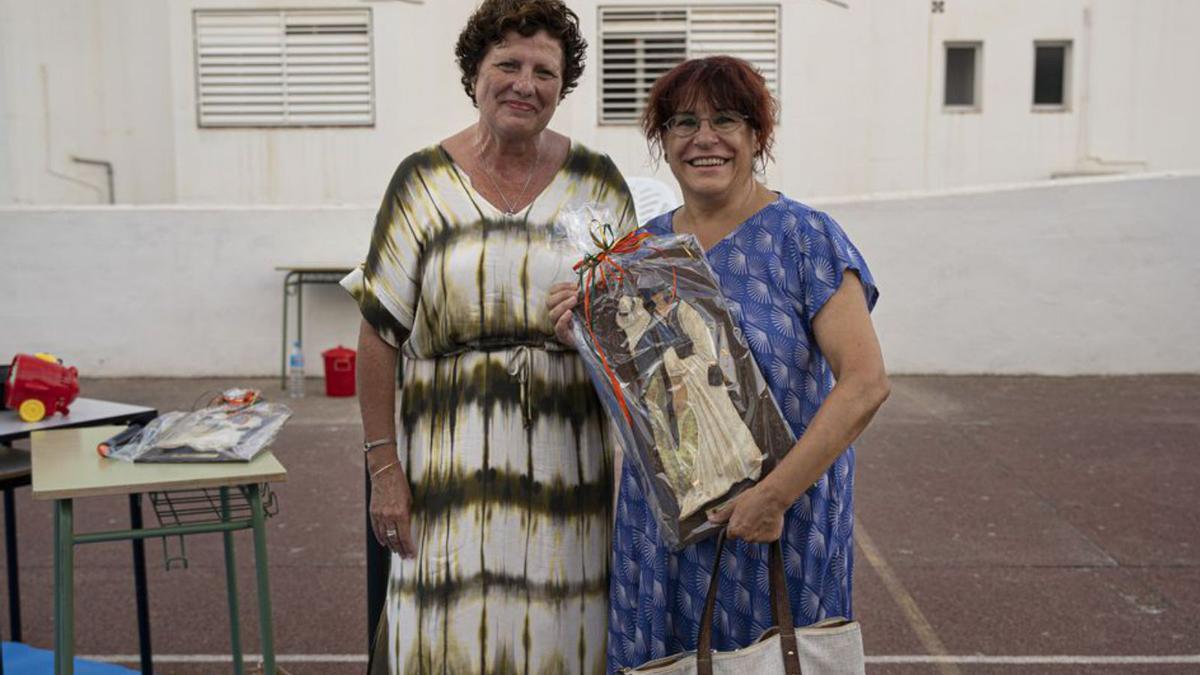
(1005,139)
(86,79)
(1082,276)
(418,101)
(1143,100)
(861,100)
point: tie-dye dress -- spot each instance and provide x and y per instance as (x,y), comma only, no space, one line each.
(501,435)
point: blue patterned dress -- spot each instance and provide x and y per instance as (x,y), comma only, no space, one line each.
(776,270)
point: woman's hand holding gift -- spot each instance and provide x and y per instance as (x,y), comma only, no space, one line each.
(562,298)
(755,515)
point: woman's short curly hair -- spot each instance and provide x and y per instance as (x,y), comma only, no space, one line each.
(496,18)
(724,83)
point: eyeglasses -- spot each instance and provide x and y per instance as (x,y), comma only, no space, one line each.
(685,125)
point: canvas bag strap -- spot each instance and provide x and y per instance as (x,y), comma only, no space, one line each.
(704,642)
(781,606)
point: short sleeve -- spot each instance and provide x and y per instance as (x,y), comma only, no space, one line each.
(387,285)
(825,253)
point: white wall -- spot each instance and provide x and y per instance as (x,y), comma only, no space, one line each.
(1069,277)
(171,291)
(1084,276)
(861,100)
(87,79)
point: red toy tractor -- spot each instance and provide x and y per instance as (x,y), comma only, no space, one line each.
(39,385)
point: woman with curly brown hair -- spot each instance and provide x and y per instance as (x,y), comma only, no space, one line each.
(495,495)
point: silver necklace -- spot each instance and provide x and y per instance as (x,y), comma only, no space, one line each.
(537,157)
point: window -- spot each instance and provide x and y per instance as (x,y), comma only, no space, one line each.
(640,44)
(1051,64)
(962,76)
(286,68)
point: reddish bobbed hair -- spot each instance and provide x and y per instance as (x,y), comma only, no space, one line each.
(725,83)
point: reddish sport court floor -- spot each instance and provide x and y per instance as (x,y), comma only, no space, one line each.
(1004,525)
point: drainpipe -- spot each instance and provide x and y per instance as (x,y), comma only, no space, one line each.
(108,169)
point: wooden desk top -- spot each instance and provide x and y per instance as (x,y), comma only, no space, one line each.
(65,465)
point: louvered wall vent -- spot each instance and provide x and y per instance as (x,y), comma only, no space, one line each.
(283,68)
(639,44)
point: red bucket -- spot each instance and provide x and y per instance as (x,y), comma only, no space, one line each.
(339,371)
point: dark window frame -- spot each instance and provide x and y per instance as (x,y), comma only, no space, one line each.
(976,103)
(1064,105)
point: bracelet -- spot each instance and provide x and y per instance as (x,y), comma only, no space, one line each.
(373,444)
(383,468)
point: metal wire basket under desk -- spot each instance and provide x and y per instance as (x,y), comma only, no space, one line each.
(194,507)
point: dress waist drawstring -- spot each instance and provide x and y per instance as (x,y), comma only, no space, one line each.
(518,367)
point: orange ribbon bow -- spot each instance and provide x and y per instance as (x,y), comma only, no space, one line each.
(602,261)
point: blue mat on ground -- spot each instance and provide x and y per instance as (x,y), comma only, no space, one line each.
(20,659)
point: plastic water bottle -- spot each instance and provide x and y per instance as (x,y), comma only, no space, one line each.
(295,373)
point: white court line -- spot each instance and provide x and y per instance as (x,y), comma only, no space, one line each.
(1048,659)
(926,635)
(1041,660)
(226,658)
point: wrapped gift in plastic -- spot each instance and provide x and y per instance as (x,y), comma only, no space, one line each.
(694,413)
(219,433)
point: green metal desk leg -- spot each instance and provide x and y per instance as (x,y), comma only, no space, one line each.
(258,517)
(54,579)
(300,309)
(235,627)
(64,580)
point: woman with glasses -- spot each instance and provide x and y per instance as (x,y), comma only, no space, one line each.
(801,293)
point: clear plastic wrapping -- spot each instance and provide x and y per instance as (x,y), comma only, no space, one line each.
(694,413)
(220,433)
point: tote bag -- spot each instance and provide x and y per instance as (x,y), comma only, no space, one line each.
(830,647)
